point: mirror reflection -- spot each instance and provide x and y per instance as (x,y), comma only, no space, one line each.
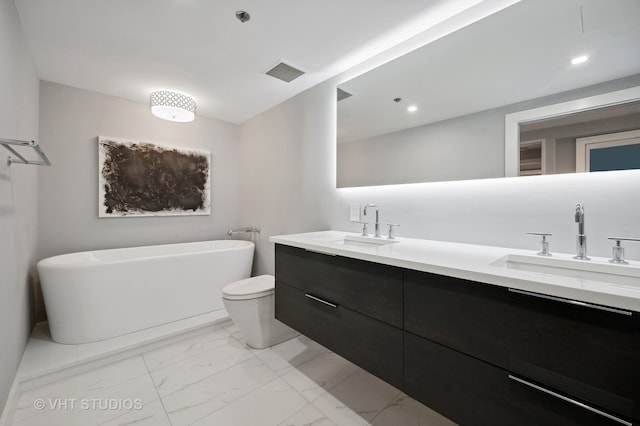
(552,146)
(464,84)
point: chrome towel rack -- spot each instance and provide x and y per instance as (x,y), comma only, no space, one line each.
(252,229)
(7,143)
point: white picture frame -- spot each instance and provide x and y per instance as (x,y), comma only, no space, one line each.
(141,179)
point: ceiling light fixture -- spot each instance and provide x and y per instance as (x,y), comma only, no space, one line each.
(579,60)
(172,106)
(412,108)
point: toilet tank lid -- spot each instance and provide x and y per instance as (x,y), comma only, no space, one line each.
(250,286)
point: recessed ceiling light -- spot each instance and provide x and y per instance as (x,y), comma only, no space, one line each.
(579,60)
(412,108)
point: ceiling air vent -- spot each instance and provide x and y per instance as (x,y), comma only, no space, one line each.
(342,94)
(284,72)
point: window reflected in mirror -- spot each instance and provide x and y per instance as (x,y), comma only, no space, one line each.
(599,140)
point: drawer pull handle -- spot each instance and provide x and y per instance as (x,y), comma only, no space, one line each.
(572,302)
(317,299)
(572,401)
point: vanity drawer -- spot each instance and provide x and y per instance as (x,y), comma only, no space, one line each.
(371,344)
(472,392)
(369,288)
(589,353)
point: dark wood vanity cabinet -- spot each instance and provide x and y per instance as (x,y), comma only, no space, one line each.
(479,354)
(350,306)
(580,352)
(370,288)
(472,392)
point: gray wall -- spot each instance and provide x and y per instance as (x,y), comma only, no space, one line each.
(285,173)
(288,185)
(70,122)
(468,147)
(18,195)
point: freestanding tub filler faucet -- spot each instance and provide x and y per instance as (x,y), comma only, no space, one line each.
(581,238)
(377,224)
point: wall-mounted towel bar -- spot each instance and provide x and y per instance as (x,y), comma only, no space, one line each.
(21,159)
(251,229)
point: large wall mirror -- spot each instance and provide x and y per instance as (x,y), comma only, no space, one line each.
(438,113)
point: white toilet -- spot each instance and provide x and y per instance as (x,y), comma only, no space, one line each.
(251,305)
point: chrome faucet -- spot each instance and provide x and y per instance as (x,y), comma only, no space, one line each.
(581,238)
(377,224)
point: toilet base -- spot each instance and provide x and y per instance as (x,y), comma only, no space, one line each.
(276,333)
(255,319)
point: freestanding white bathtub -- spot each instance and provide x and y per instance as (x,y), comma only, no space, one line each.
(97,295)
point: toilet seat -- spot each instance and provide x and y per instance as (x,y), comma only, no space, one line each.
(250,288)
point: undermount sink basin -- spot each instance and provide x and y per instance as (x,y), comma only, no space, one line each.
(593,270)
(361,241)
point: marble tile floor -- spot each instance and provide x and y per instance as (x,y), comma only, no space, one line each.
(215,379)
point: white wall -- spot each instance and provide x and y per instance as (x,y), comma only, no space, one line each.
(288,185)
(70,122)
(18,195)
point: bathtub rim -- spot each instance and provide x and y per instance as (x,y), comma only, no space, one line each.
(54,261)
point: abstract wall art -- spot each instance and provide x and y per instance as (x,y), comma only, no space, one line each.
(145,179)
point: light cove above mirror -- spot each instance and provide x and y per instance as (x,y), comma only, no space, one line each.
(464,85)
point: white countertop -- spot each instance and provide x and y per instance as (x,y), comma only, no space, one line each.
(480,263)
